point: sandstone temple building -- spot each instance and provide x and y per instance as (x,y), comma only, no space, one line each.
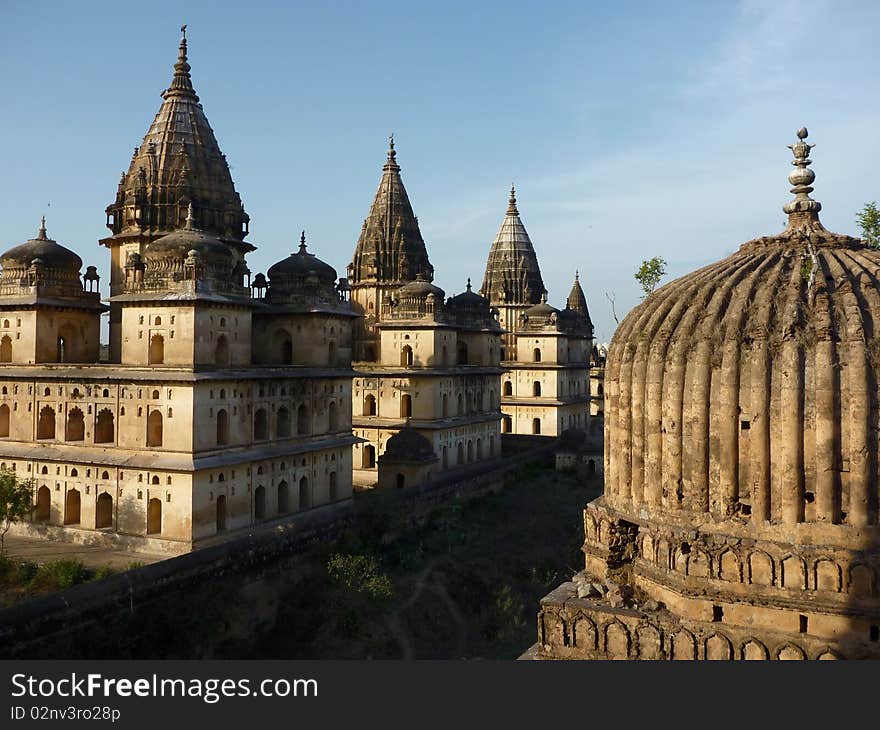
(742,461)
(427,381)
(226,398)
(546,352)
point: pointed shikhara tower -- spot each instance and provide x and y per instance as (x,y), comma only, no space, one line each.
(427,381)
(512,282)
(742,462)
(226,402)
(390,252)
(545,388)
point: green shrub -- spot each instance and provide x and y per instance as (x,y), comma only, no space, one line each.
(60,574)
(360,573)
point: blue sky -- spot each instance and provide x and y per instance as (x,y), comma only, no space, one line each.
(630,129)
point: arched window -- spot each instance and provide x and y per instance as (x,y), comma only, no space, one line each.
(470,451)
(46,423)
(104,430)
(334,493)
(479,449)
(406,406)
(462,353)
(221,351)
(459,411)
(157,350)
(508,387)
(260,503)
(406,357)
(154,516)
(370,405)
(155,395)
(261,425)
(155,479)
(105,475)
(601,389)
(332,417)
(536,389)
(44,504)
(303,422)
(283,348)
(400,480)
(104,511)
(221,513)
(444,400)
(283,498)
(459,453)
(331,354)
(536,425)
(76,426)
(506,424)
(445,458)
(72,507)
(282,428)
(4,420)
(444,356)
(222,427)
(105,393)
(6,349)
(305,494)
(157,321)
(536,354)
(154,428)
(369,458)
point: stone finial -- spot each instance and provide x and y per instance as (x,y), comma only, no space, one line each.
(190,223)
(41,234)
(511,204)
(801,179)
(302,242)
(469,284)
(181,84)
(391,153)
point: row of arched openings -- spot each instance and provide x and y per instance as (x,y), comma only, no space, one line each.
(74,428)
(104,515)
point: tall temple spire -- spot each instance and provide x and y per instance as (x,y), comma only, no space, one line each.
(577,301)
(512,272)
(390,249)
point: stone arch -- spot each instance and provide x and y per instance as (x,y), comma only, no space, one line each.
(282,422)
(283,498)
(368,461)
(761,568)
(827,656)
(729,567)
(75,429)
(72,507)
(406,357)
(154,428)
(536,426)
(157,350)
(260,503)
(826,574)
(684,646)
(103,511)
(663,553)
(222,427)
(406,405)
(64,351)
(461,353)
(46,423)
(154,516)
(370,404)
(650,642)
(303,420)
(221,513)
(790,652)
(536,389)
(221,351)
(617,640)
(584,633)
(793,573)
(282,345)
(699,563)
(536,354)
(718,647)
(754,650)
(647,548)
(44,504)
(333,417)
(104,427)
(305,493)
(334,486)
(4,420)
(261,425)
(680,560)
(861,580)
(6,349)
(508,388)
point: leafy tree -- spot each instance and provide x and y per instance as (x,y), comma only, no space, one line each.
(15,501)
(869,221)
(650,273)
(360,573)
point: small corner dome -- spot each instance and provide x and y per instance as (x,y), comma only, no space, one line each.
(302,263)
(419,288)
(179,243)
(51,254)
(541,310)
(408,445)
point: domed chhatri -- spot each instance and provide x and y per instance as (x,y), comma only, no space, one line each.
(302,279)
(302,263)
(51,254)
(742,458)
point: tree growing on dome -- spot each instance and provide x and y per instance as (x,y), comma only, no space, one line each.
(868,219)
(650,273)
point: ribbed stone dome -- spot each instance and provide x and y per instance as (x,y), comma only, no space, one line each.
(302,263)
(50,253)
(744,395)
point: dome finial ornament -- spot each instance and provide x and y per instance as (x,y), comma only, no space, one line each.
(511,207)
(391,153)
(41,234)
(803,208)
(189,224)
(469,284)
(302,242)
(181,84)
